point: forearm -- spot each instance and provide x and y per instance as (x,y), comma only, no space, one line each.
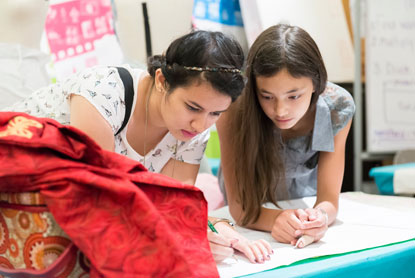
(330,176)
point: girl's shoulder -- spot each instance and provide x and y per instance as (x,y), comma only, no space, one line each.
(337,97)
(341,105)
(102,87)
(101,73)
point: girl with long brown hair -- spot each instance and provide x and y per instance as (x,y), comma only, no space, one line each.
(285,138)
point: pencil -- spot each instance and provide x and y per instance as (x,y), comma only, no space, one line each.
(213,229)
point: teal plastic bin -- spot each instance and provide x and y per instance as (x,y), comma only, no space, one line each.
(384,176)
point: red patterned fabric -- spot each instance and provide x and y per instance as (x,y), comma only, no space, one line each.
(127,221)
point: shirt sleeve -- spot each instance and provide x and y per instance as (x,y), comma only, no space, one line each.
(103,88)
(341,105)
(192,151)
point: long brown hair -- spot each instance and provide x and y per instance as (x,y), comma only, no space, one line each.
(256,143)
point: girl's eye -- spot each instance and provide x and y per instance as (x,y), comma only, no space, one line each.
(294,97)
(266,97)
(191,108)
(216,114)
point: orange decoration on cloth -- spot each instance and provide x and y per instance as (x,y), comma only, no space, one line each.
(20,126)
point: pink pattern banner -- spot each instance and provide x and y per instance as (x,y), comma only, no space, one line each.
(80,34)
(72,27)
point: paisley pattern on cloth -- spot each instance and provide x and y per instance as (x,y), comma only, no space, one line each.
(33,240)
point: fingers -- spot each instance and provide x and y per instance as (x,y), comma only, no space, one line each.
(257,251)
(252,252)
(302,215)
(281,235)
(267,246)
(291,225)
(317,233)
(286,228)
(294,218)
(312,214)
(222,247)
(319,222)
(317,219)
(265,250)
(304,241)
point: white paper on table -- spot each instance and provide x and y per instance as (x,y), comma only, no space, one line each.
(358,226)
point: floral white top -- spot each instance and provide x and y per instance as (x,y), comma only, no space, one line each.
(104,89)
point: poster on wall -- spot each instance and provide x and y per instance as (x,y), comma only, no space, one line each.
(220,15)
(80,34)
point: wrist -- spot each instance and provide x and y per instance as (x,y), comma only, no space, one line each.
(324,213)
(223,221)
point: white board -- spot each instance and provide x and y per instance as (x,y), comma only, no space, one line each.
(390,75)
(324,20)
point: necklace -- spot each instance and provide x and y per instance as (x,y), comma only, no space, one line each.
(145,134)
(145,125)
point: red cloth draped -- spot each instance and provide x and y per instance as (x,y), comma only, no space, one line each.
(127,221)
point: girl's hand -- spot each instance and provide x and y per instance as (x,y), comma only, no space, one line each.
(220,246)
(317,223)
(257,251)
(288,227)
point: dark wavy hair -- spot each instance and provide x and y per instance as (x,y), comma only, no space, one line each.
(259,169)
(201,49)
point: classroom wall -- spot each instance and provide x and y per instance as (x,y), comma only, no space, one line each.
(169,19)
(22,21)
(22,64)
(324,20)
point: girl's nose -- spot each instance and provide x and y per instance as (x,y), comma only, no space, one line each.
(200,124)
(280,109)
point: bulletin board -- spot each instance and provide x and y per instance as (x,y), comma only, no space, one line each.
(390,75)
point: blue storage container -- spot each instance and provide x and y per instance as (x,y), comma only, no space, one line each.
(384,176)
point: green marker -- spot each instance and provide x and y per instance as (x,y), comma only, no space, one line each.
(212,227)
